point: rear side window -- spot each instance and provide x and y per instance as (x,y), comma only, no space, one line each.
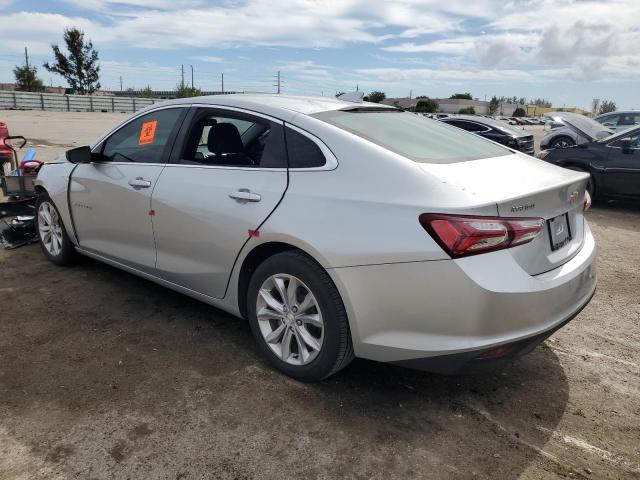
(303,152)
(414,136)
(145,139)
(469,126)
(233,139)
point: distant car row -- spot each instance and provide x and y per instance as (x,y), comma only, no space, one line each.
(494,130)
(561,136)
(611,159)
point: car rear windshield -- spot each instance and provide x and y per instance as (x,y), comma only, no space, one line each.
(413,136)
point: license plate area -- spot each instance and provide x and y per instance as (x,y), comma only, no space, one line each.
(559,231)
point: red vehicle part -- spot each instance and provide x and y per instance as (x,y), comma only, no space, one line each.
(6,154)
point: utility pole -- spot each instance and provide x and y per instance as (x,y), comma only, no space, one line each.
(182,81)
(222,82)
(26,60)
(278,84)
(120,82)
(357,88)
(192,85)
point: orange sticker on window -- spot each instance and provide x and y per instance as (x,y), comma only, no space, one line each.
(147,132)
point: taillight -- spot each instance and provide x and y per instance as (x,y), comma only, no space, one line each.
(587,201)
(461,236)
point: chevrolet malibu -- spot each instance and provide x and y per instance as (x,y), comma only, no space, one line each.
(338,229)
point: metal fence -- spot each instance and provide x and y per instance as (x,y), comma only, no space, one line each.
(72,103)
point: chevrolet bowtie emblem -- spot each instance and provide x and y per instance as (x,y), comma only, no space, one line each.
(573,198)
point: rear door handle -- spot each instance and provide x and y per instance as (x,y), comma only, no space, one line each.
(140,182)
(245,195)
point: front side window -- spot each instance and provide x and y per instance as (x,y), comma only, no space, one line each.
(635,140)
(629,119)
(469,126)
(219,138)
(145,139)
(413,136)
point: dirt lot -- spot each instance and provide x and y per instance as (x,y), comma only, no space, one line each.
(106,375)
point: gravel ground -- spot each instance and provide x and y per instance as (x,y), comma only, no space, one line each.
(106,375)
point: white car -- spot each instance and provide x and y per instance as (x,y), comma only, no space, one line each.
(338,229)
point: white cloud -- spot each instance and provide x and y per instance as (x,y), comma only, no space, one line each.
(496,41)
(208,59)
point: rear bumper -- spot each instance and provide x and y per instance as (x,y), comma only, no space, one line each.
(411,313)
(474,361)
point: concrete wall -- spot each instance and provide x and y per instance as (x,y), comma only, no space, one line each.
(71,103)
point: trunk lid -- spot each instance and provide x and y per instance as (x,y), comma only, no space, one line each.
(522,186)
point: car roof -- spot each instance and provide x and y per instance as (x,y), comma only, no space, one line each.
(277,105)
(617,112)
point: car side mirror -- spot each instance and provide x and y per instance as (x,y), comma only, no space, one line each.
(79,155)
(625,144)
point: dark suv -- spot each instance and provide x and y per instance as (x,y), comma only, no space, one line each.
(494,130)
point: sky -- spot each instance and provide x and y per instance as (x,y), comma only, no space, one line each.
(567,51)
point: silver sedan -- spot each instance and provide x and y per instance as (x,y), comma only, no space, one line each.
(336,228)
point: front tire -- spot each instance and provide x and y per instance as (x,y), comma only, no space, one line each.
(297,317)
(54,241)
(562,142)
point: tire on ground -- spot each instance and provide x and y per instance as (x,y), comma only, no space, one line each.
(337,349)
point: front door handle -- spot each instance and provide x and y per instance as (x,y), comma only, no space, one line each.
(140,182)
(245,195)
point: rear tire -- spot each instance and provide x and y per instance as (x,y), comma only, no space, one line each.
(54,241)
(304,331)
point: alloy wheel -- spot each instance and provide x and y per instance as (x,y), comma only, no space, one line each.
(290,319)
(50,228)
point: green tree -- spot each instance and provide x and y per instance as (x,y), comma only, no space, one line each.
(426,105)
(182,91)
(146,92)
(467,111)
(541,102)
(80,69)
(27,79)
(607,106)
(494,105)
(519,112)
(462,96)
(376,97)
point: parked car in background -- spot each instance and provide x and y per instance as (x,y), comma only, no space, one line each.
(613,163)
(336,228)
(494,130)
(620,120)
(517,120)
(564,137)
